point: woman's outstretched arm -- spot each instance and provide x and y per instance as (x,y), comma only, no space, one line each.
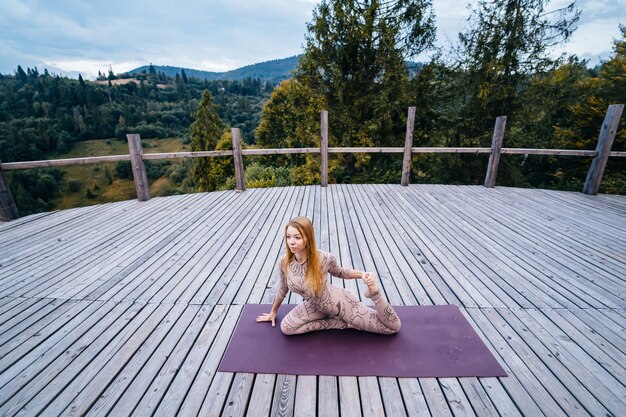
(340,272)
(281,293)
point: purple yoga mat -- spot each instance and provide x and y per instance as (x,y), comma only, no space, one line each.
(435,341)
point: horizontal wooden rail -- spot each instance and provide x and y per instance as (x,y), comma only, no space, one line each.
(11,166)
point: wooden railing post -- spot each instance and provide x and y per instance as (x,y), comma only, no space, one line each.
(605,141)
(496,147)
(8,209)
(408,147)
(324,148)
(238,159)
(139,168)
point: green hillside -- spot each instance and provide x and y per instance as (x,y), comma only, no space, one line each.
(270,71)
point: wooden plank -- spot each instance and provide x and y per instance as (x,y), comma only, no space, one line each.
(176,279)
(529,397)
(455,397)
(139,168)
(265,286)
(207,393)
(234,275)
(128,255)
(408,147)
(8,209)
(14,329)
(512,265)
(324,147)
(14,308)
(464,290)
(147,389)
(328,396)
(599,324)
(233,250)
(238,159)
(609,357)
(260,404)
(411,288)
(371,400)
(480,399)
(596,379)
(284,396)
(350,400)
(18,367)
(520,345)
(45,270)
(392,397)
(496,147)
(526,236)
(9,166)
(237,400)
(413,397)
(41,373)
(560,231)
(605,141)
(305,402)
(194,285)
(437,404)
(257,254)
(111,392)
(87,387)
(528,332)
(144,281)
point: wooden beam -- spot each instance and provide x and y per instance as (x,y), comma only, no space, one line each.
(408,146)
(366,150)
(279,151)
(324,148)
(139,169)
(555,152)
(605,141)
(176,155)
(496,146)
(8,209)
(238,159)
(10,166)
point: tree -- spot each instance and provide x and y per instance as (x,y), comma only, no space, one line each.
(507,42)
(206,131)
(586,114)
(291,119)
(355,61)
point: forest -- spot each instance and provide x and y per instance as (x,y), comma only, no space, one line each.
(355,66)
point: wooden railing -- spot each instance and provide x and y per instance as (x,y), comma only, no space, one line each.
(136,156)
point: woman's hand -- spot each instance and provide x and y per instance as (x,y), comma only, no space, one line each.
(372,286)
(271,316)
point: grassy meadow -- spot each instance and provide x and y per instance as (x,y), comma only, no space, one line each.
(98,183)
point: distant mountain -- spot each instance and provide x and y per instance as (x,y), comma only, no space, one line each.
(274,71)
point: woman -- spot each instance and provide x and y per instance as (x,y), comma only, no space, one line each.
(303,270)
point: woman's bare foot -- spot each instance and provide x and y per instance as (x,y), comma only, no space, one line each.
(372,285)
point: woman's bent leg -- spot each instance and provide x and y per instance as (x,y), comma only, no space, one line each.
(383,319)
(305,318)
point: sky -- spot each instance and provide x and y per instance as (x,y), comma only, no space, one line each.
(80,36)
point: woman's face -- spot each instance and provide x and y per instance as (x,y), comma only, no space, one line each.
(295,240)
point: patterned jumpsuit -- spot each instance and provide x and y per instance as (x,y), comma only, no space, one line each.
(333,308)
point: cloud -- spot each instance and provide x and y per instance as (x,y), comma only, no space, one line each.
(215,35)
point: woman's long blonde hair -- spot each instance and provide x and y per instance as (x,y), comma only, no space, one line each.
(313,276)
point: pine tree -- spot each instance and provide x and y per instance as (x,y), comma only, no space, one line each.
(508,41)
(206,131)
(355,60)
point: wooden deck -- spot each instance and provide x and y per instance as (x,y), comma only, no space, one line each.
(126,308)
